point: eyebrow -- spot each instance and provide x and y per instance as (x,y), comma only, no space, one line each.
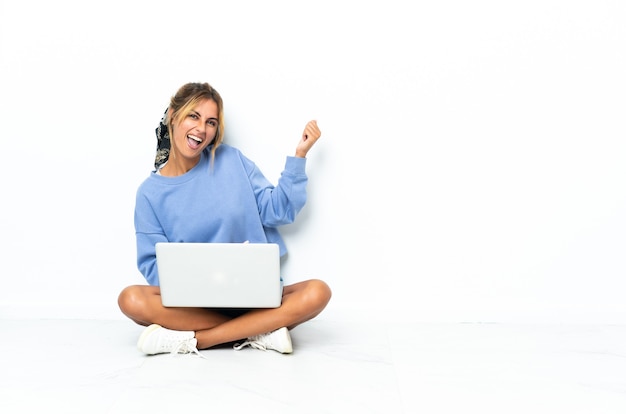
(198,113)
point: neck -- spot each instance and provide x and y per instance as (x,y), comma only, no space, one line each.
(178,166)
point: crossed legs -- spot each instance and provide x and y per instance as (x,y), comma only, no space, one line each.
(301,302)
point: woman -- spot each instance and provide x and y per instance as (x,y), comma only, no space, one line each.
(207,191)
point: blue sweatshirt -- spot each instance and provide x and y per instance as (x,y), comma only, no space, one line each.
(228,201)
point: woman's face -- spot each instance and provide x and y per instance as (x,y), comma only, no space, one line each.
(196,131)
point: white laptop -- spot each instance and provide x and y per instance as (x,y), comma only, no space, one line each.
(219,275)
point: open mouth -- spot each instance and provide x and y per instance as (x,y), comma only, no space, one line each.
(194,141)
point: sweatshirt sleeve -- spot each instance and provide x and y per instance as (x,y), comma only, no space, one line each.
(279,205)
(148,232)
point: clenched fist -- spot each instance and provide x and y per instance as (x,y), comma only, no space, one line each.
(310,135)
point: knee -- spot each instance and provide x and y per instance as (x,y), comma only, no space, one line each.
(318,293)
(130,300)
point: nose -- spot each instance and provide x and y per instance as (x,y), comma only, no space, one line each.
(200,127)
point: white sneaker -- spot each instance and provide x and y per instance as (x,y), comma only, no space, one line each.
(279,340)
(156,339)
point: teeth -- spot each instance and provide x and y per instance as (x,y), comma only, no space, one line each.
(194,138)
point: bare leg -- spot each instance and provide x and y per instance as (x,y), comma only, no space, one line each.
(143,305)
(301,302)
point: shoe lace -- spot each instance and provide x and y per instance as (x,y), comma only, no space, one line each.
(187,348)
(256,342)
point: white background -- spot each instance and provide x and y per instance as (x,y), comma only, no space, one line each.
(471,166)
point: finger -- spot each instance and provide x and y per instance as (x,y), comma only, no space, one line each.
(311,129)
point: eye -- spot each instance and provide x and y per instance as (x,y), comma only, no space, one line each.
(193,116)
(212,122)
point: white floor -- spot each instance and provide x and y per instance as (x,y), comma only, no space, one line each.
(340,365)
